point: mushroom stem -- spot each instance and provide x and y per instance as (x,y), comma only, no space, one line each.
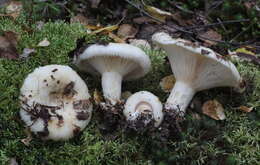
(111,85)
(180,97)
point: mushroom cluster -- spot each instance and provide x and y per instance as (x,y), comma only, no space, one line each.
(115,62)
(55,103)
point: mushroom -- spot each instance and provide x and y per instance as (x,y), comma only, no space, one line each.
(114,62)
(143,108)
(195,68)
(55,103)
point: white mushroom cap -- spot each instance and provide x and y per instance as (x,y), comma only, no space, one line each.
(130,61)
(195,68)
(198,66)
(143,102)
(115,62)
(55,102)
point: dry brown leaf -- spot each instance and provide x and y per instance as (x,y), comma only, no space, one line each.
(106,29)
(249,4)
(157,13)
(213,109)
(211,34)
(167,83)
(126,31)
(182,21)
(79,19)
(245,109)
(115,38)
(98,98)
(8,43)
(92,27)
(14,9)
(140,43)
(44,43)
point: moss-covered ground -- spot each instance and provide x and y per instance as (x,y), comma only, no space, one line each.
(203,141)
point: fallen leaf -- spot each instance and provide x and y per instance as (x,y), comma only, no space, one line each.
(14,9)
(249,4)
(210,34)
(27,52)
(26,141)
(180,20)
(98,98)
(140,43)
(244,54)
(213,109)
(8,43)
(125,95)
(115,38)
(92,27)
(147,30)
(245,109)
(157,13)
(79,19)
(44,43)
(106,29)
(245,50)
(126,31)
(12,161)
(167,83)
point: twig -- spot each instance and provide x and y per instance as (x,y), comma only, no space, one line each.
(239,34)
(217,23)
(224,28)
(175,4)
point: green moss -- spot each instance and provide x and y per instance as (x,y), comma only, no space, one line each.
(205,141)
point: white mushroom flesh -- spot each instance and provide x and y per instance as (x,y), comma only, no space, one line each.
(142,103)
(55,102)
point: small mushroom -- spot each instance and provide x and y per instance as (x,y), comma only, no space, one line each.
(195,68)
(114,62)
(143,108)
(55,103)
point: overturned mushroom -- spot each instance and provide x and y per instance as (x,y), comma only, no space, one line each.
(195,68)
(143,108)
(55,103)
